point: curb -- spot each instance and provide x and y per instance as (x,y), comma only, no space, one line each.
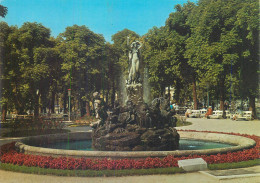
(230,176)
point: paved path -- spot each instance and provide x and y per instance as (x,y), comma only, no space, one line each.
(224,125)
(195,177)
(245,175)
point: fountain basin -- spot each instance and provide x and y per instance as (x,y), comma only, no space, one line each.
(239,142)
(86,145)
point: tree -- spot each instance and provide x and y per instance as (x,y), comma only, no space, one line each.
(21,73)
(213,42)
(83,53)
(246,25)
(179,31)
(48,60)
(158,60)
(112,71)
(3,11)
(5,30)
(164,53)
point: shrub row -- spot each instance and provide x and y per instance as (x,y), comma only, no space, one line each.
(9,155)
(39,123)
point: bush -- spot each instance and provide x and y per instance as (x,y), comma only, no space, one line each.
(33,126)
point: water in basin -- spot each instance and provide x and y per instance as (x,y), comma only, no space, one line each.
(184,144)
(188,144)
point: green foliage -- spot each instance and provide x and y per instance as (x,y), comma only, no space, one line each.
(219,41)
(247,27)
(3,11)
(37,62)
(164,53)
(209,46)
(83,63)
(23,73)
(30,125)
(90,173)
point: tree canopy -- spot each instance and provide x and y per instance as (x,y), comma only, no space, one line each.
(207,48)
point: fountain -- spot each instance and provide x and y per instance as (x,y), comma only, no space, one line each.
(136,126)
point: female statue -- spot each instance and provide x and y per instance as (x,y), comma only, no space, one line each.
(134,62)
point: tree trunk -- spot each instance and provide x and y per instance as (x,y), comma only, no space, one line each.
(52,101)
(252,106)
(107,95)
(4,111)
(65,102)
(43,101)
(87,108)
(177,92)
(82,108)
(162,91)
(194,93)
(222,96)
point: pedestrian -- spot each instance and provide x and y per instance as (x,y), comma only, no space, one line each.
(209,112)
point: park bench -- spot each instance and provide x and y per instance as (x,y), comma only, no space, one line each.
(246,115)
(203,112)
(48,116)
(228,115)
(219,114)
(216,115)
(181,110)
(195,114)
(10,116)
(24,116)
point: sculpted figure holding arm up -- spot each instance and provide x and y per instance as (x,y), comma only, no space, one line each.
(134,62)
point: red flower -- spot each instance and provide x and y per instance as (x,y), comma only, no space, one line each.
(9,155)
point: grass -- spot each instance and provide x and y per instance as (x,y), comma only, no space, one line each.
(26,133)
(90,173)
(83,121)
(180,123)
(118,173)
(242,164)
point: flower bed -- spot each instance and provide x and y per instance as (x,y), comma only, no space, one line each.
(9,155)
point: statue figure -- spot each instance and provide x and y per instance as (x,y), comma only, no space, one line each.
(97,102)
(100,107)
(134,62)
(132,113)
(143,116)
(155,113)
(167,113)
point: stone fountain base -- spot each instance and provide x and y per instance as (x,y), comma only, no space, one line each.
(137,127)
(119,137)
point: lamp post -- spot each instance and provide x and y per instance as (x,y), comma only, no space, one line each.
(69,94)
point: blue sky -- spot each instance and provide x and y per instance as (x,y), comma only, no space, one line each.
(105,17)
